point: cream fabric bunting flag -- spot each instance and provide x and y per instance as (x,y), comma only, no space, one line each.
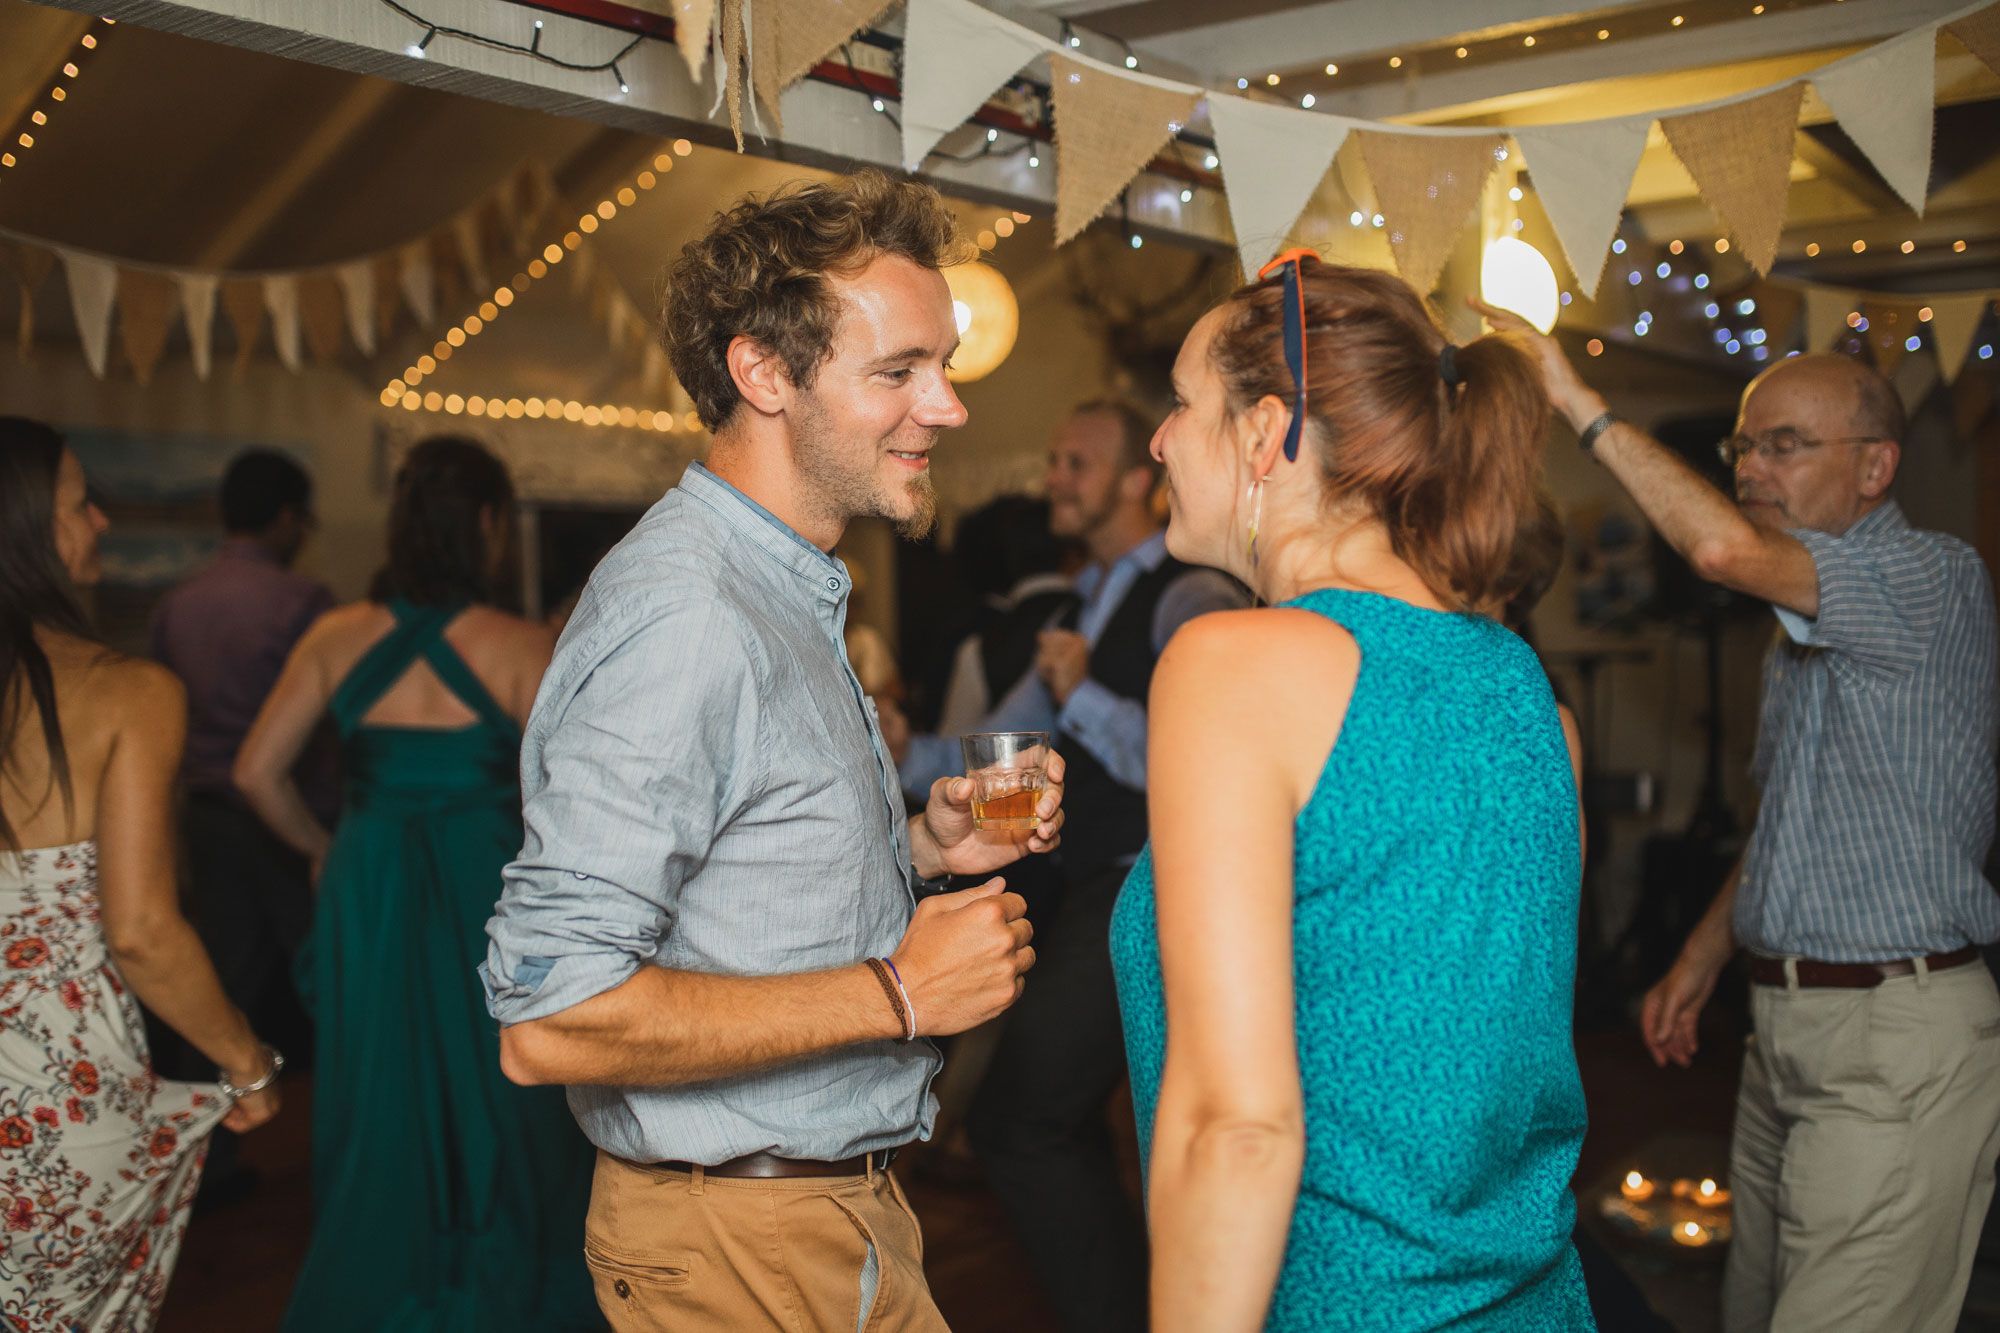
(419,281)
(93,290)
(1882,98)
(1740,156)
(1273,158)
(465,228)
(357,286)
(1981,34)
(1581,174)
(1108,126)
(1827,309)
(1427,185)
(146,304)
(281,302)
(1954,324)
(198,312)
(954,55)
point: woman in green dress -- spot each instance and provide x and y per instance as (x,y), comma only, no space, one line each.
(446,1199)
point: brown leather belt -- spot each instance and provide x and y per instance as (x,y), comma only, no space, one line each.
(763,1166)
(1854,976)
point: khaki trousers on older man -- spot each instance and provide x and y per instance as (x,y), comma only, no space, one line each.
(1866,1130)
(694,1253)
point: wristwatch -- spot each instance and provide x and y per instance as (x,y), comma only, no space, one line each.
(1605,421)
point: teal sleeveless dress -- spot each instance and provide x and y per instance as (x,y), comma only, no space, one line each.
(445,1199)
(1436,873)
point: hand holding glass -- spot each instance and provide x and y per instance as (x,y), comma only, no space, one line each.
(1008,771)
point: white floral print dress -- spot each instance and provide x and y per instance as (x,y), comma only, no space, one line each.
(99,1157)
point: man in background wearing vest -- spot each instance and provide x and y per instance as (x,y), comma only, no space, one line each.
(1039,1124)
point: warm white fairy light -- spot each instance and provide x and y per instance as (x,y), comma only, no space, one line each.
(57,94)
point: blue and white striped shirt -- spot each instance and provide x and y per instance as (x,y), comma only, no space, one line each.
(1876,755)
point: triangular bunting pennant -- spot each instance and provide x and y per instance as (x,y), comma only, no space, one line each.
(1581,174)
(1273,158)
(31,266)
(146,303)
(93,290)
(955,54)
(1427,185)
(1882,98)
(465,229)
(1740,156)
(692,20)
(1955,323)
(1827,309)
(418,281)
(281,302)
(198,311)
(388,271)
(805,30)
(357,286)
(730,29)
(243,302)
(1889,326)
(1108,126)
(323,316)
(1981,34)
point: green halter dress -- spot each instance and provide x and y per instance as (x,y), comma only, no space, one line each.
(445,1199)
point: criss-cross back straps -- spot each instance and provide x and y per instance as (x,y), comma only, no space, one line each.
(419,632)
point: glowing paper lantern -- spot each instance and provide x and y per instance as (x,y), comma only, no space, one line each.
(1515,276)
(988,320)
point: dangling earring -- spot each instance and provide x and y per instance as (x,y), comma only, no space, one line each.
(1255,495)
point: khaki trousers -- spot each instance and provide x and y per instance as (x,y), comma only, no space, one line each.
(688,1252)
(1867,1124)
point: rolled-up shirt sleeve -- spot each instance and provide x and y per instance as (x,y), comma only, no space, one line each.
(1881,599)
(636,755)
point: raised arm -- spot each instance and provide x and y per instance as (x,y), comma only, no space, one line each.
(1696,519)
(155,949)
(263,771)
(1236,744)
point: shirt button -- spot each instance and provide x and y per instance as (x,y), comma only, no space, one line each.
(623,1288)
(833,585)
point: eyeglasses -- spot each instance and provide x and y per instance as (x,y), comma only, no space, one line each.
(1780,445)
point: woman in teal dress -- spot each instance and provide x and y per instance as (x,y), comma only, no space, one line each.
(445,1199)
(1345,961)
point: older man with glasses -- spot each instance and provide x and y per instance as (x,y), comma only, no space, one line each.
(1868,1119)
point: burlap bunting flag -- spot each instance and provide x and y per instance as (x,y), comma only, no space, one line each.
(1954,323)
(1107,126)
(243,302)
(1426,186)
(147,303)
(733,51)
(323,314)
(789,37)
(31,266)
(1981,34)
(1740,156)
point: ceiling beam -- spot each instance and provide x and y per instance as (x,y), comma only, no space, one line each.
(1436,97)
(1352,29)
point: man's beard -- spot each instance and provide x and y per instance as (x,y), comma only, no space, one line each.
(845,494)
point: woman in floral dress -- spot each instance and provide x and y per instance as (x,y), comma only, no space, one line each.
(99,1157)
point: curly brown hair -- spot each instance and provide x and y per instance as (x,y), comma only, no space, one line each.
(760,271)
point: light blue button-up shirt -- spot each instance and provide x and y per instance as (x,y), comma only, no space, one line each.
(1110,726)
(1876,755)
(705,789)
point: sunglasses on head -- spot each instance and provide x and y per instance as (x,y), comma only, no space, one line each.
(1295,338)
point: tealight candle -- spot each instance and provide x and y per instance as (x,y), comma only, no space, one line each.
(1692,1233)
(1710,1195)
(1636,1187)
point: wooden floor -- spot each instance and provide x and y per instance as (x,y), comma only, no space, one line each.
(237,1265)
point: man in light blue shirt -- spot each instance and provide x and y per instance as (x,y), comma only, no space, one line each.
(712,934)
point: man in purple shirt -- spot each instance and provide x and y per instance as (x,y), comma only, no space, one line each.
(226,632)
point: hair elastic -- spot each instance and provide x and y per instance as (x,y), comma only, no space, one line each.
(1295,339)
(1448,366)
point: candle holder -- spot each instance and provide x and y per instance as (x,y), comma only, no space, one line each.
(1636,1188)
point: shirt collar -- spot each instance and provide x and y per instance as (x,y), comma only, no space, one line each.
(1148,555)
(1885,517)
(777,539)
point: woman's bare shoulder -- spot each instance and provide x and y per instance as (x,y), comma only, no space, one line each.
(507,632)
(1268,652)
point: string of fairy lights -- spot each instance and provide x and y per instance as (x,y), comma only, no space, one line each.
(403,391)
(54,96)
